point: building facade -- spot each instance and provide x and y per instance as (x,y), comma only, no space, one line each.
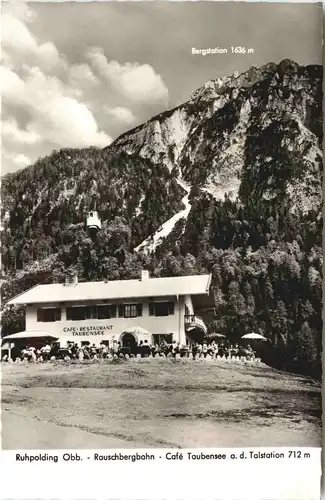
(126,311)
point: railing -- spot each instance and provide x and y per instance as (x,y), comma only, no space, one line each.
(193,320)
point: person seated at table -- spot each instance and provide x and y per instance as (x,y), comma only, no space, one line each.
(86,352)
(212,348)
(221,350)
(205,349)
(242,352)
(164,348)
(45,352)
(250,353)
(80,354)
(184,351)
(194,349)
(31,354)
(115,347)
(231,351)
(175,348)
(154,350)
(74,350)
(105,351)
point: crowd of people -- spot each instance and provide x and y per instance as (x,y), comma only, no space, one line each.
(88,351)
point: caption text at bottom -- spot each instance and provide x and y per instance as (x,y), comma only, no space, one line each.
(174,456)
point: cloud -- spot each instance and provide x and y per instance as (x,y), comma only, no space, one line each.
(21,160)
(63,120)
(48,56)
(12,133)
(122,114)
(79,74)
(50,102)
(11,84)
(54,116)
(55,109)
(15,161)
(133,80)
(16,36)
(20,10)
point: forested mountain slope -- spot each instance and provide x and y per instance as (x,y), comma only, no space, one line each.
(240,162)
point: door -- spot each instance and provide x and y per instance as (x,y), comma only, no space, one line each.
(128,340)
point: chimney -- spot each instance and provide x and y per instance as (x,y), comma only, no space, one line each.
(144,275)
(71,280)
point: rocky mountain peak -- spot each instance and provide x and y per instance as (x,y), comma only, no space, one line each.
(214,88)
(238,124)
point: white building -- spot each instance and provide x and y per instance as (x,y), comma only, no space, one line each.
(126,311)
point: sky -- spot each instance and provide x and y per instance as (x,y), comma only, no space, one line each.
(80,74)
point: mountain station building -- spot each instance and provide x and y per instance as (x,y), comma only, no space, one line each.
(128,311)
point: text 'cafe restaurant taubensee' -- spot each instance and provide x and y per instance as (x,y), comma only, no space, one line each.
(128,311)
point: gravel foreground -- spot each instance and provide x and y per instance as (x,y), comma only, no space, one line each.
(156,404)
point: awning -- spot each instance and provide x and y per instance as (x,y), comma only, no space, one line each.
(137,330)
(216,335)
(31,334)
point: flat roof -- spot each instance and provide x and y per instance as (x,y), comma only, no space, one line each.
(125,289)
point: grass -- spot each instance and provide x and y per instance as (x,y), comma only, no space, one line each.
(159,403)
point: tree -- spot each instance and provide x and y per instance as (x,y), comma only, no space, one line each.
(280,323)
(306,350)
(12,320)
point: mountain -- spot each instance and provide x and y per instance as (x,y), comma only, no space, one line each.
(246,135)
(228,182)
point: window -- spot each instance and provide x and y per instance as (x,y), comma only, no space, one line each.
(78,313)
(48,315)
(161,308)
(159,339)
(130,310)
(113,310)
(91,312)
(106,312)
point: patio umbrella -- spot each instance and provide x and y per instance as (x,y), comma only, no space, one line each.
(253,336)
